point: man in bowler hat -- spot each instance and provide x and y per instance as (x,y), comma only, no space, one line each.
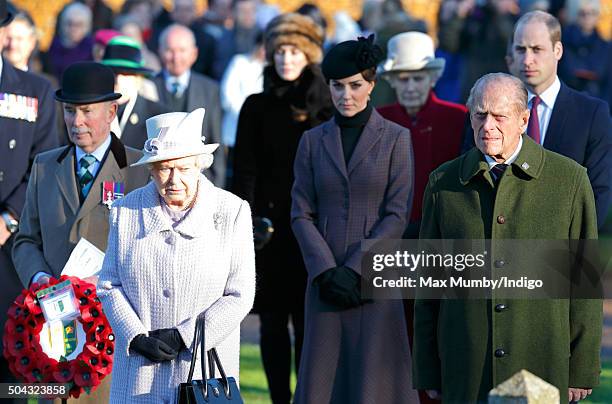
(27,117)
(72,187)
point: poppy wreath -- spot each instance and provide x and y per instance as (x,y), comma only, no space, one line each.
(26,358)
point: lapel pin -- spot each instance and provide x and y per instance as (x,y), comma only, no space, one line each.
(134,119)
(525,165)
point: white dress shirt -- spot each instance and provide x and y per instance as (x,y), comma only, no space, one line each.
(510,159)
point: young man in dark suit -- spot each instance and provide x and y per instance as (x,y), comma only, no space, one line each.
(562,120)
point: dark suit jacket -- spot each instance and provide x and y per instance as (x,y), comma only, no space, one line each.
(21,140)
(203,92)
(580,128)
(135,132)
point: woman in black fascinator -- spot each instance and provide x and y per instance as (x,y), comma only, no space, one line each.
(353,182)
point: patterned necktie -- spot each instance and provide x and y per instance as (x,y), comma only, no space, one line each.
(533,127)
(175,88)
(497,171)
(85,177)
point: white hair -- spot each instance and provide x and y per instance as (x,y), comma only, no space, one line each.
(573,6)
(163,37)
(79,10)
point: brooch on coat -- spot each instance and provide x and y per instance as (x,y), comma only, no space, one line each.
(217,220)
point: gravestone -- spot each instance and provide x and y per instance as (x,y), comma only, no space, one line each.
(524,388)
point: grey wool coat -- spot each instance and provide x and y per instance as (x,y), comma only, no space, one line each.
(156,277)
(359,355)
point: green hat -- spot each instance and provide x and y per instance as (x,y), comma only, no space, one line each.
(124,56)
(351,57)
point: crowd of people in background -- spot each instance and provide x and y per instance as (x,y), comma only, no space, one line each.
(274,86)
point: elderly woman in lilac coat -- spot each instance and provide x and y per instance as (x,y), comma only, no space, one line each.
(178,248)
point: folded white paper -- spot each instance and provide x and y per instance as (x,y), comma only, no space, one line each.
(85,261)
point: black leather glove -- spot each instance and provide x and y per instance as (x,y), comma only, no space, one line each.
(340,287)
(152,348)
(170,336)
(263,228)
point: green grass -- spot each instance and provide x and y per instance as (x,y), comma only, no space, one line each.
(603,393)
(253,384)
(254,387)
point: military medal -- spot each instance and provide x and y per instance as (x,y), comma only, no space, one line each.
(111,191)
(17,106)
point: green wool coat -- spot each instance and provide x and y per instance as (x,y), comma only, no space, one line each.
(549,197)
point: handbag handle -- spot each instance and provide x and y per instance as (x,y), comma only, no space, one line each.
(213,358)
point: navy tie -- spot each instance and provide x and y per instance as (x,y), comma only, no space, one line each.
(497,171)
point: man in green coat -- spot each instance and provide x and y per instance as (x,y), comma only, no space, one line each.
(464,348)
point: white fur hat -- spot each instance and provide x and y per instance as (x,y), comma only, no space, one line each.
(176,135)
(410,51)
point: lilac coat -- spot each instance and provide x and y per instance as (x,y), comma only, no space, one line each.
(360,355)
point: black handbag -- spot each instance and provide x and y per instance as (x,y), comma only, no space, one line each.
(207,391)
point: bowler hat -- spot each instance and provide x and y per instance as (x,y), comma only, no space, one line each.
(123,55)
(7,13)
(87,83)
(351,57)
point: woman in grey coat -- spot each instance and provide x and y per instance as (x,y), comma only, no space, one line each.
(178,247)
(353,181)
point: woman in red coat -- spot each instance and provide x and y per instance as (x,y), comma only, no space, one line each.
(436,126)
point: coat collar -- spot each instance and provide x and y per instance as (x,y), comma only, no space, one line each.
(529,162)
(372,132)
(198,222)
(8,77)
(110,169)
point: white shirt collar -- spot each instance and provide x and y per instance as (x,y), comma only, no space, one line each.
(98,153)
(549,95)
(510,159)
(1,66)
(183,80)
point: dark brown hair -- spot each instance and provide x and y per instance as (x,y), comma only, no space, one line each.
(369,74)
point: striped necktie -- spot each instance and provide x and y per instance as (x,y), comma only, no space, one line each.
(497,171)
(85,176)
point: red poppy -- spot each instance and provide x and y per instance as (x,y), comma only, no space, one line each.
(86,377)
(64,372)
(31,303)
(25,363)
(17,344)
(16,311)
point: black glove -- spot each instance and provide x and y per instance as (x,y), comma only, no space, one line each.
(340,287)
(170,336)
(262,231)
(152,348)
